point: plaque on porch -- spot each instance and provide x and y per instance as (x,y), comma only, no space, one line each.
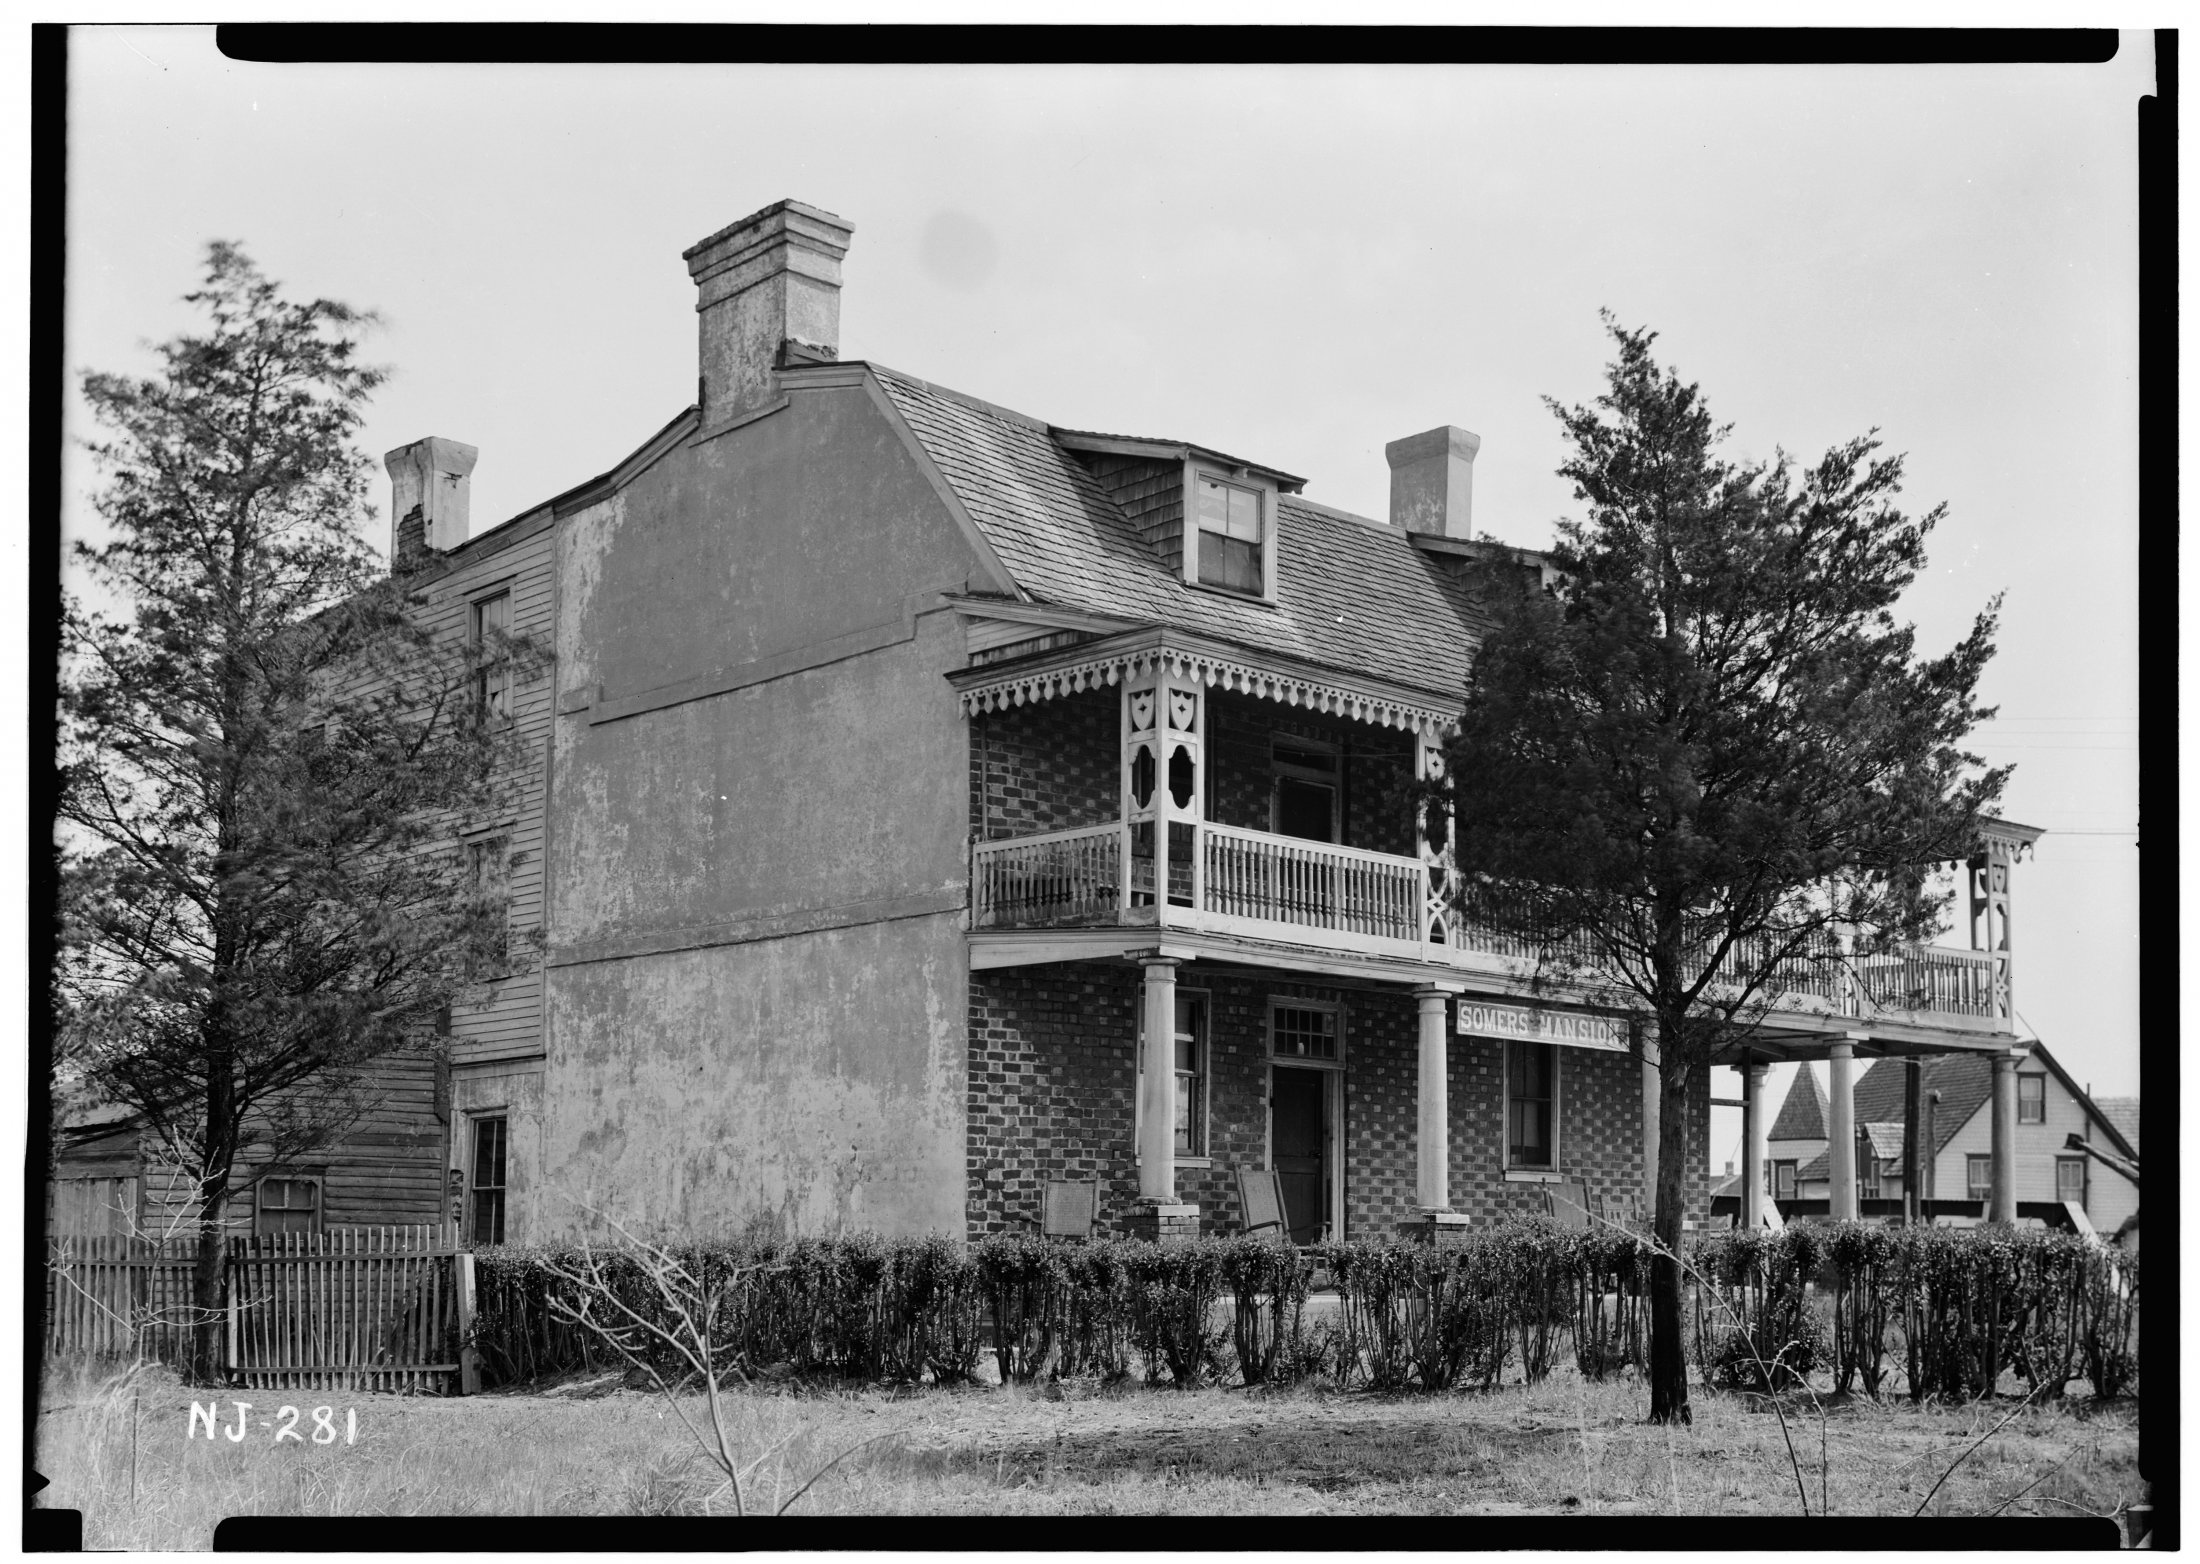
(1535,1024)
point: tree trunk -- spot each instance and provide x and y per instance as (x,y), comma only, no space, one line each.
(207,1312)
(1668,1357)
(218,1153)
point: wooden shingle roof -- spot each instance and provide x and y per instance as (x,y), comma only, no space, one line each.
(1352,594)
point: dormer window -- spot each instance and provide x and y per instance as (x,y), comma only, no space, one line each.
(1229,536)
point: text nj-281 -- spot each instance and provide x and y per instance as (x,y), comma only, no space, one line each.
(280,1424)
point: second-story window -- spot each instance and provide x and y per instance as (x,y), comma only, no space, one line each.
(1229,536)
(492,620)
(2031,1099)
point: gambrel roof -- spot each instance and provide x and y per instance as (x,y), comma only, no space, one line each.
(1352,594)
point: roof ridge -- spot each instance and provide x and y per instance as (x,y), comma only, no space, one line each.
(1338,513)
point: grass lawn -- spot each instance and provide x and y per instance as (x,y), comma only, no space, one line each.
(121,1453)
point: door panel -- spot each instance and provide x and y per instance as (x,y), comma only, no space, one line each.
(1298,1106)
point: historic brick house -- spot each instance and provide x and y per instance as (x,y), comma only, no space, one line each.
(937,802)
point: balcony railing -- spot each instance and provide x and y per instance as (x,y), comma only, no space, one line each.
(1346,898)
(1313,885)
(1058,877)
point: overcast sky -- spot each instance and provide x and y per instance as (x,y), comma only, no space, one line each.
(1292,264)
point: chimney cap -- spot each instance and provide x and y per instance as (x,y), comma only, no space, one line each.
(1444,440)
(824,230)
(435,453)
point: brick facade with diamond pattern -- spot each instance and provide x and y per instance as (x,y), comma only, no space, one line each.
(1053,1077)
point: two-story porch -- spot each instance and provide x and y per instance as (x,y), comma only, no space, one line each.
(1221,819)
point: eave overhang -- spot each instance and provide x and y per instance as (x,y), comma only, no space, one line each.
(1169,451)
(1211,661)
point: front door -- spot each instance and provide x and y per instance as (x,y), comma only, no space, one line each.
(1298,1103)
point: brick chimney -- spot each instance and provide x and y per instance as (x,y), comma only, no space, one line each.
(1432,482)
(431,491)
(769,279)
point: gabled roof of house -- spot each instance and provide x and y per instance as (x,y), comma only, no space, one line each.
(1965,1082)
(1886,1139)
(1352,594)
(1802,1115)
(2122,1114)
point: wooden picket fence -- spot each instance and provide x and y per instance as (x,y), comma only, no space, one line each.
(112,1295)
(385,1308)
(347,1309)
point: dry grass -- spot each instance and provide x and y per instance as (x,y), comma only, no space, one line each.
(1564,1447)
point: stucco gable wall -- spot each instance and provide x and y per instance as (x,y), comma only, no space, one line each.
(760,839)
(788,542)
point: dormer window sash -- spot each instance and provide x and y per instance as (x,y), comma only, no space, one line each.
(1229,530)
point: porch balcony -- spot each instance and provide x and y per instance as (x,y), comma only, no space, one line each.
(1264,886)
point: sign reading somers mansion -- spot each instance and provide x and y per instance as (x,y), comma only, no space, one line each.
(936,803)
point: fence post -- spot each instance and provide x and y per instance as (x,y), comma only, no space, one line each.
(230,1288)
(469,1362)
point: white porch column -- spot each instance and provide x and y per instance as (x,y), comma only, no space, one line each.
(1753,1145)
(2002,1202)
(1157,1092)
(1652,1120)
(1432,1135)
(1841,1131)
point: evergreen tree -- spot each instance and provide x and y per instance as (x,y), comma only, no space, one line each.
(1706,769)
(265,760)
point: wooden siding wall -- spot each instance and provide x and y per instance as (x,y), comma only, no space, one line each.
(1151,496)
(94,1207)
(386,1169)
(509,1024)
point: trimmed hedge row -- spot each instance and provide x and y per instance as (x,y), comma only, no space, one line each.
(1968,1304)
(1965,1305)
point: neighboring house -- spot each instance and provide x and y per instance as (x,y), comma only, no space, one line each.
(1796,1143)
(385,1167)
(937,802)
(2051,1106)
(1956,1125)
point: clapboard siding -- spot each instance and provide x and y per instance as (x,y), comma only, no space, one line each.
(507,1021)
(386,1167)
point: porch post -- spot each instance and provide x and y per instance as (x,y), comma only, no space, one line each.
(1841,1131)
(1157,1100)
(1652,1120)
(1432,1138)
(1753,1144)
(1913,1159)
(1437,911)
(2002,1204)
